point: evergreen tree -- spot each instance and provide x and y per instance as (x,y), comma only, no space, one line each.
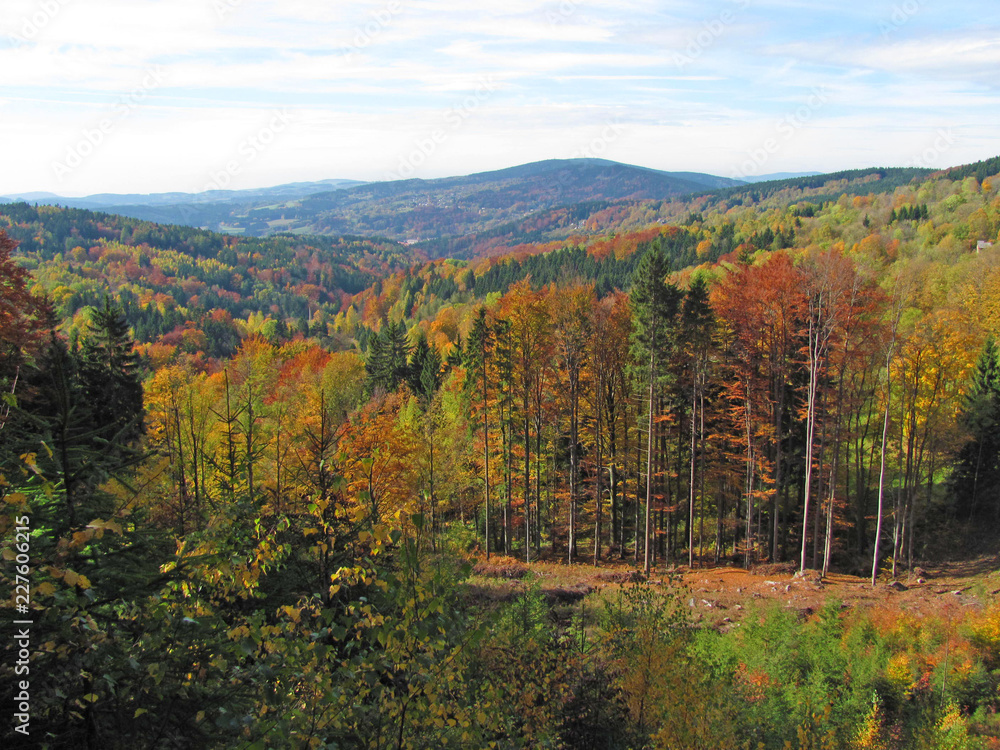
(109,376)
(976,479)
(424,370)
(398,354)
(387,363)
(697,323)
(476,358)
(655,305)
(454,358)
(376,363)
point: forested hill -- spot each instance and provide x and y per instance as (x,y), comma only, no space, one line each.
(418,209)
(276,519)
(173,281)
(597,217)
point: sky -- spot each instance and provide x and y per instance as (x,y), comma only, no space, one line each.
(190,95)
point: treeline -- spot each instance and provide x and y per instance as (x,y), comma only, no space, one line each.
(847,182)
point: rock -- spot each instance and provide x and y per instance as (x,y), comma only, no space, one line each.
(896,586)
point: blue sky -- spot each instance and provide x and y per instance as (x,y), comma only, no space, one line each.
(187,95)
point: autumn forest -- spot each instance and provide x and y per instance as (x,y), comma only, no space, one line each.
(323,491)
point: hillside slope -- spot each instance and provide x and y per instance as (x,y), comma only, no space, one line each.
(414,209)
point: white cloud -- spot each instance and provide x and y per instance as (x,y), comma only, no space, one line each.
(365,80)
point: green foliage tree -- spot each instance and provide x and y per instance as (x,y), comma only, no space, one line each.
(477,355)
(655,305)
(387,363)
(976,477)
(424,370)
(109,375)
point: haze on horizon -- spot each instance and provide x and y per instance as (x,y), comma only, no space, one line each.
(146,96)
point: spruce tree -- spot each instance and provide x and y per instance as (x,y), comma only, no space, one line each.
(976,479)
(655,305)
(376,363)
(398,353)
(109,377)
(424,370)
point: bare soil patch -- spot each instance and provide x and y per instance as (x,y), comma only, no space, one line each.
(721,596)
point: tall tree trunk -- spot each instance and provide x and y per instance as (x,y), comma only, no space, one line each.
(599,489)
(810,433)
(574,471)
(486,458)
(649,460)
(881,473)
(527,471)
(691,479)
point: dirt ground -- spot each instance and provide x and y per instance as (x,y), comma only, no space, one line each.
(721,596)
(727,590)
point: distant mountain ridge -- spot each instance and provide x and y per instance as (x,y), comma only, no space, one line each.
(104,200)
(779,176)
(407,210)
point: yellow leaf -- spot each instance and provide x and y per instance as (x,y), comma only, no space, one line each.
(16,498)
(90,697)
(138,712)
(98,523)
(73,578)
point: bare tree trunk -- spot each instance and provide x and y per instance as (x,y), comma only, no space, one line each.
(701,476)
(691,480)
(649,461)
(810,437)
(881,474)
(599,488)
(486,459)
